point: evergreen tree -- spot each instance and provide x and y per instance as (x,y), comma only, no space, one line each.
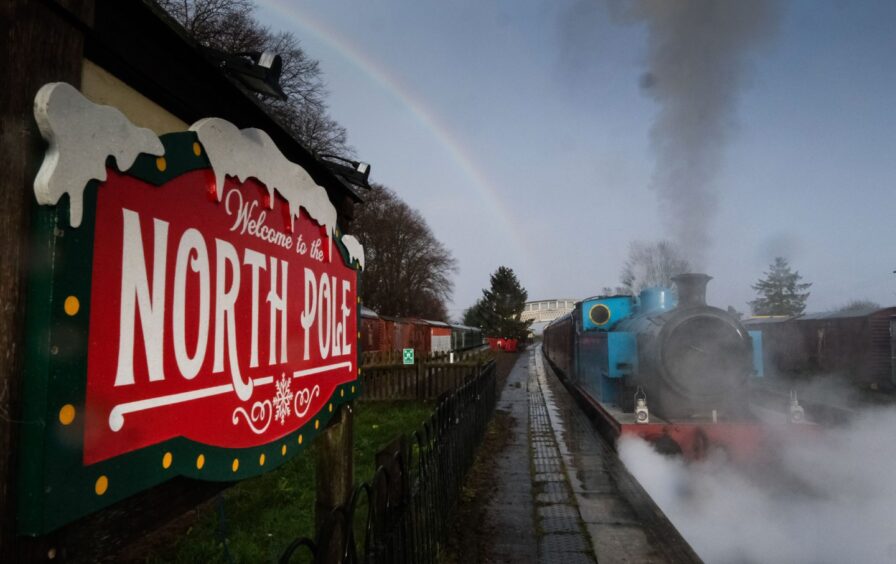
(780,292)
(473,315)
(499,309)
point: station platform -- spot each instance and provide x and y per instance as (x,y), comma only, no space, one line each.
(562,495)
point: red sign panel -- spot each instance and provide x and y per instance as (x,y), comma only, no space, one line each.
(191,310)
(227,322)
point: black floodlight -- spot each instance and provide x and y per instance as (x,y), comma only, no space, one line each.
(259,72)
(355,172)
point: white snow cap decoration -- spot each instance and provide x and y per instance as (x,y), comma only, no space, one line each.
(251,152)
(354,248)
(82,135)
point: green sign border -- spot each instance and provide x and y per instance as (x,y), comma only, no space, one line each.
(54,486)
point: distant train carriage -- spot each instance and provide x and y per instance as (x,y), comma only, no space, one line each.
(465,337)
(420,336)
(376,333)
(439,336)
(457,337)
(402,332)
(383,333)
(859,345)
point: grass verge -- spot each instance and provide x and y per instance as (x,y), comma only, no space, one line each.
(256,519)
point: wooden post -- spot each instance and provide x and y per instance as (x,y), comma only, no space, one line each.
(334,477)
(41,44)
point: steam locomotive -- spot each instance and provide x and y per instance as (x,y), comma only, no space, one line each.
(663,366)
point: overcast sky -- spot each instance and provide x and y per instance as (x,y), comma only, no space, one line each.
(522,131)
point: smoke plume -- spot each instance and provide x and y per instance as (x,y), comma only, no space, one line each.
(696,65)
(829,498)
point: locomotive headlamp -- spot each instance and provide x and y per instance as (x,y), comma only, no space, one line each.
(599,314)
(642,414)
(796,414)
(356,172)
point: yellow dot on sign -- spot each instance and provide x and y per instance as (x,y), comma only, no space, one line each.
(353,389)
(67,414)
(283,450)
(71,305)
(359,299)
(342,393)
(331,408)
(166,460)
(197,149)
(102,484)
(161,164)
(300,439)
(261,460)
(236,461)
(316,423)
(359,334)
(200,461)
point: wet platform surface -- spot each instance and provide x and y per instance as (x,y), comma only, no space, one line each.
(563,495)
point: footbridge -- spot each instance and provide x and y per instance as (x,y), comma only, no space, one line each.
(542,312)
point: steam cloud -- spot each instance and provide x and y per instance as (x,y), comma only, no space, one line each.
(696,66)
(831,499)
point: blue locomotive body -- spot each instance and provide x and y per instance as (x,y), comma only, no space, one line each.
(689,361)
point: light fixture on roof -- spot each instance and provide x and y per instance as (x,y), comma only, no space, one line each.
(257,71)
(356,172)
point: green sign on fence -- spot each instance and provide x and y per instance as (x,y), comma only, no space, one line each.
(408,356)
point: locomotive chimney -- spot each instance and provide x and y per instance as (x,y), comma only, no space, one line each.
(691,289)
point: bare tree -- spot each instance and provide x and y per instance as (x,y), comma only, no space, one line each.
(407,270)
(614,291)
(230,26)
(858,305)
(652,264)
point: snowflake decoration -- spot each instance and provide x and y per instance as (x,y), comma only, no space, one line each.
(282,400)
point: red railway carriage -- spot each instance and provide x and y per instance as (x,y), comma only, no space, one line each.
(418,335)
(439,336)
(376,332)
(383,333)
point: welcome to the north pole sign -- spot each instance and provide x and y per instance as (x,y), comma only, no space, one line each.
(192,309)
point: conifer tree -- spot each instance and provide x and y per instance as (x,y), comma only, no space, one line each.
(498,311)
(780,292)
(472,316)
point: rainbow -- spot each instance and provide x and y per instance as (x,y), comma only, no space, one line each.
(425,116)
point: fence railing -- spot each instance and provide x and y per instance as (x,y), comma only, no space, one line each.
(402,513)
(390,358)
(428,378)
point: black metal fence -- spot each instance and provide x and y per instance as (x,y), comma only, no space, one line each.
(402,513)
